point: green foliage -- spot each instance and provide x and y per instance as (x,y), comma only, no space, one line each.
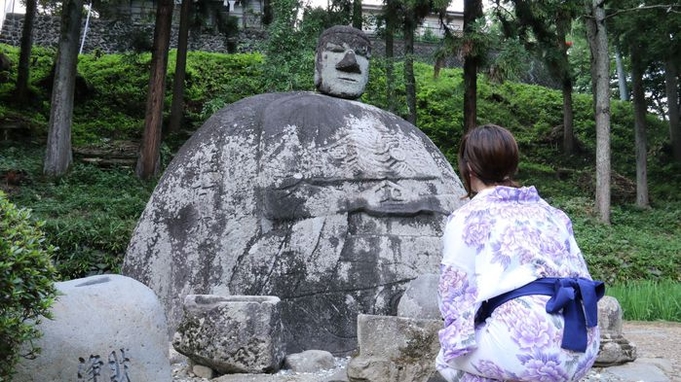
(40,66)
(213,80)
(290,51)
(26,281)
(375,92)
(640,244)
(89,213)
(120,85)
(440,108)
(648,300)
(339,12)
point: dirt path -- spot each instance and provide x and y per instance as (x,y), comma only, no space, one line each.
(657,339)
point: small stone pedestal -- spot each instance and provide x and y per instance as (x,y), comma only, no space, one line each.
(615,349)
(232,334)
(395,349)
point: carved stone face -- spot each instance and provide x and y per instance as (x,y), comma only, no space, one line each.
(342,65)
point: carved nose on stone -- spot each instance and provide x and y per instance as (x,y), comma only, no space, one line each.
(349,63)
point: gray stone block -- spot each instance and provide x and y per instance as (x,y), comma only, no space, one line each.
(232,334)
(420,298)
(395,349)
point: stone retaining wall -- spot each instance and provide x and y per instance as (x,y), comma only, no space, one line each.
(116,36)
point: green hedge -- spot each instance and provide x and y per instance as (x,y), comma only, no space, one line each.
(27,288)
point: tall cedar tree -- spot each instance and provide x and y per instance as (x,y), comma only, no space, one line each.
(543,27)
(472,11)
(148,164)
(646,33)
(22,93)
(413,13)
(177,107)
(357,14)
(597,37)
(58,155)
(391,15)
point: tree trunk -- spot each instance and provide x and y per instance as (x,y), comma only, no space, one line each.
(390,54)
(409,80)
(671,74)
(640,130)
(267,14)
(440,63)
(22,95)
(600,66)
(357,14)
(58,155)
(148,162)
(470,101)
(177,107)
(563,71)
(568,117)
(472,10)
(390,70)
(566,81)
(621,76)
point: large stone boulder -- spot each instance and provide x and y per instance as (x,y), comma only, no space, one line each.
(108,327)
(332,205)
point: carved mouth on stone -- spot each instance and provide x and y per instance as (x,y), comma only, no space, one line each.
(347,79)
(427,205)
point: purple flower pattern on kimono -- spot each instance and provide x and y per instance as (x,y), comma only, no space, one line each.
(541,367)
(457,295)
(535,331)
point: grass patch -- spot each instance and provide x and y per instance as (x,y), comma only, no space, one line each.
(89,214)
(648,300)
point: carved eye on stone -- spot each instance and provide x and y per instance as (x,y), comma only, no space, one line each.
(334,48)
(361,51)
(338,152)
(397,153)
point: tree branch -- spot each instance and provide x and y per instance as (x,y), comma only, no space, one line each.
(671,8)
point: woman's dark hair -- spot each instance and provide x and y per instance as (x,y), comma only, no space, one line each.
(491,153)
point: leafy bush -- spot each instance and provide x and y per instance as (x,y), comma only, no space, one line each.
(26,283)
(214,80)
(289,51)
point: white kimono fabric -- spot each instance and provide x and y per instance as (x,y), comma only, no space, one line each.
(501,240)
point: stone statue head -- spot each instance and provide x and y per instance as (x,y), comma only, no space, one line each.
(342,64)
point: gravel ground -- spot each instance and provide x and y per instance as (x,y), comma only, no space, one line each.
(654,340)
(657,340)
(181,373)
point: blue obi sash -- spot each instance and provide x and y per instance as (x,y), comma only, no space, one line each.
(576,297)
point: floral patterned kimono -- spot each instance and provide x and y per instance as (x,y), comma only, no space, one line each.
(502,239)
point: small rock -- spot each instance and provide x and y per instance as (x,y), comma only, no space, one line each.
(310,361)
(203,371)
